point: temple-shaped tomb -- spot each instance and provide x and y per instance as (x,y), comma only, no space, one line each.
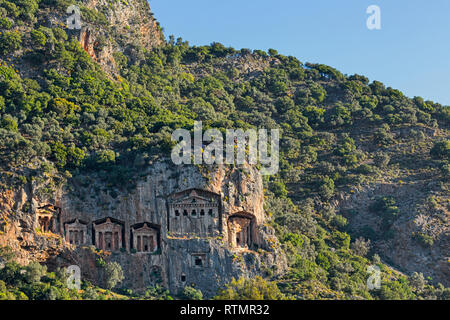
(47,217)
(76,232)
(194,212)
(241,230)
(109,234)
(145,237)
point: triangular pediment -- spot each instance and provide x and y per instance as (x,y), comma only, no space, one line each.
(77,223)
(195,196)
(145,227)
(194,199)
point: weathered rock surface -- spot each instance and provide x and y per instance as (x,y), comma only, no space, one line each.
(398,247)
(130,26)
(109,28)
(207,254)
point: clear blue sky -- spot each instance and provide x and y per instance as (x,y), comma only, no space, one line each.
(410,53)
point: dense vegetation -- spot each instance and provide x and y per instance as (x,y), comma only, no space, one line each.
(34,282)
(66,119)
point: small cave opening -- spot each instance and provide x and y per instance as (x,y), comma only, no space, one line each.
(198,262)
(241,228)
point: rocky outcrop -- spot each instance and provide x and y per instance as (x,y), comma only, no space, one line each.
(181,225)
(20,229)
(109,28)
(396,242)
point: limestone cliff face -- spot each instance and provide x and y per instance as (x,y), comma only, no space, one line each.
(120,26)
(20,211)
(181,225)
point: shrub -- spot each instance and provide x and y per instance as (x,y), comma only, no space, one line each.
(190,293)
(105,157)
(418,281)
(91,15)
(339,221)
(75,156)
(8,123)
(39,39)
(250,289)
(441,150)
(100,263)
(60,154)
(423,239)
(6,253)
(445,169)
(294,238)
(34,272)
(90,294)
(381,159)
(361,247)
(365,169)
(279,189)
(27,8)
(304,269)
(59,34)
(10,41)
(386,207)
(383,136)
(11,8)
(157,293)
(5,23)
(323,261)
(396,290)
(326,189)
(113,274)
(341,240)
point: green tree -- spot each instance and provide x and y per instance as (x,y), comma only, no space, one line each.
(361,247)
(396,290)
(34,272)
(250,289)
(381,159)
(6,23)
(326,189)
(113,274)
(75,156)
(279,189)
(106,157)
(383,136)
(59,151)
(39,39)
(341,239)
(10,41)
(8,123)
(190,293)
(441,150)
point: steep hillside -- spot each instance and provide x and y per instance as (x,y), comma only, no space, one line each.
(86,123)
